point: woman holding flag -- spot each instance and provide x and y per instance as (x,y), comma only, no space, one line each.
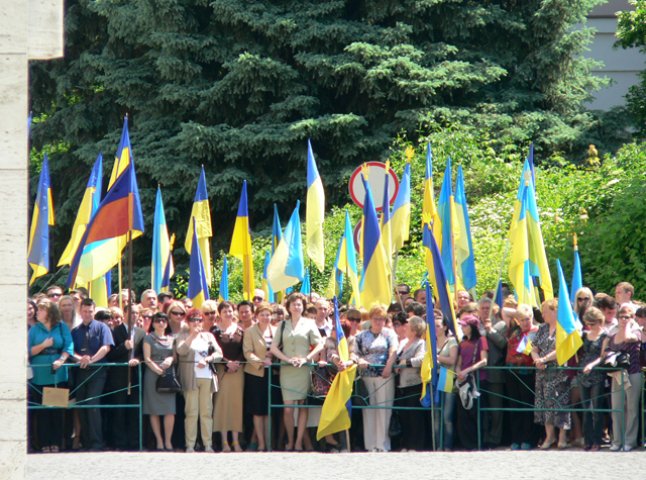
(447,357)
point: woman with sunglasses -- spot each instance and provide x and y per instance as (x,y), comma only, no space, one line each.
(591,381)
(197,350)
(158,356)
(209,314)
(227,415)
(176,317)
(626,383)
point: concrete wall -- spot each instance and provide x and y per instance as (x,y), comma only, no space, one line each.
(28,29)
(622,66)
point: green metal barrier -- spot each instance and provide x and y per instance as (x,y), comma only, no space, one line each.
(79,404)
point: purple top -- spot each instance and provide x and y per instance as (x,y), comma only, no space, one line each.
(631,348)
(467,357)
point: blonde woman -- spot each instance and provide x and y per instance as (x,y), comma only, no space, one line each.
(410,355)
(197,350)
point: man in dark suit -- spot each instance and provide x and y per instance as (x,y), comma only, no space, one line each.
(123,383)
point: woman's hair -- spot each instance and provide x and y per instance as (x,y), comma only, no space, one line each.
(471,307)
(114,311)
(194,313)
(594,315)
(293,297)
(626,307)
(475,334)
(552,304)
(175,304)
(523,310)
(156,317)
(210,305)
(53,313)
(34,306)
(261,307)
(224,304)
(583,292)
(417,326)
(378,311)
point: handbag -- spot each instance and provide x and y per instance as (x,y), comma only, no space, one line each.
(618,361)
(395,426)
(321,381)
(168,382)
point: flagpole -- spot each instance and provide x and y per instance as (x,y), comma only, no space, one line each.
(432,404)
(394,278)
(130,326)
(51,279)
(121,286)
(347,440)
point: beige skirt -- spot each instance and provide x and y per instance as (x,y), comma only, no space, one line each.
(227,412)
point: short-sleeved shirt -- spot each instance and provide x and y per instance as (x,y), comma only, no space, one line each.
(88,339)
(374,349)
(62,338)
(467,354)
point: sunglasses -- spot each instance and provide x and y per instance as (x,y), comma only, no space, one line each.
(160,320)
(258,299)
(583,299)
(179,314)
(209,313)
(354,319)
(54,295)
(194,319)
(624,317)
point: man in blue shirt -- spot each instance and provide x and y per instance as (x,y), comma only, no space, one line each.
(92,342)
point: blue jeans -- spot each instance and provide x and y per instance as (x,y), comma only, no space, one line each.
(448,421)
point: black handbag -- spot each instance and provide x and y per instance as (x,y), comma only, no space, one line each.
(168,382)
(618,361)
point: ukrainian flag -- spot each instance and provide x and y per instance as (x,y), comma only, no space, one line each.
(201,215)
(568,338)
(335,413)
(429,366)
(99,257)
(446,213)
(525,345)
(241,244)
(198,289)
(446,380)
(400,220)
(346,262)
(118,215)
(224,280)
(519,266)
(269,293)
(314,212)
(42,218)
(375,281)
(276,237)
(437,278)
(430,214)
(464,257)
(287,267)
(306,286)
(162,261)
(577,276)
(89,204)
(386,224)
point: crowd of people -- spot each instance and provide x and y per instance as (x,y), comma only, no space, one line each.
(204,377)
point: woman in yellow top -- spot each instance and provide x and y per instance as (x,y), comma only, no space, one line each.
(255,345)
(296,343)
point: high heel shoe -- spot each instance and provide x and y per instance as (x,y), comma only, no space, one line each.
(547,444)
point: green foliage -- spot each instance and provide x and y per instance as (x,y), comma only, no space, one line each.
(631,31)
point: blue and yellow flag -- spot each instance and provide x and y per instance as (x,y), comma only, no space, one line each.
(306,286)
(385,225)
(429,368)
(287,267)
(42,218)
(445,380)
(276,237)
(525,345)
(224,280)
(446,209)
(577,276)
(519,265)
(568,338)
(375,280)
(437,277)
(201,215)
(269,292)
(314,212)
(464,256)
(162,261)
(241,245)
(198,289)
(429,210)
(346,262)
(100,256)
(118,216)
(89,204)
(336,410)
(400,219)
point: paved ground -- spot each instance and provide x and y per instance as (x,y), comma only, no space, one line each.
(498,465)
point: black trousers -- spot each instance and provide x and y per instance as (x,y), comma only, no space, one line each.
(412,422)
(122,424)
(520,388)
(90,385)
(49,422)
